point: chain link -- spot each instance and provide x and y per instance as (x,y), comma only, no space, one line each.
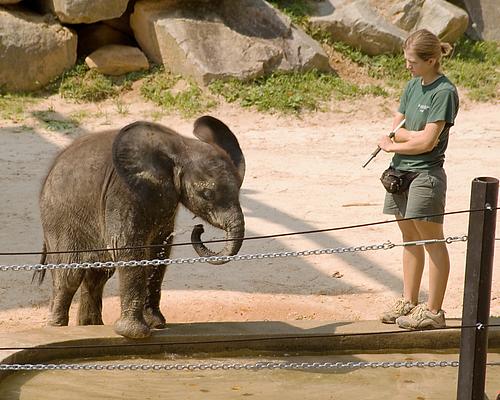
(231,366)
(243,257)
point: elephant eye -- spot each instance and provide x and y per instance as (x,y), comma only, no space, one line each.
(207,194)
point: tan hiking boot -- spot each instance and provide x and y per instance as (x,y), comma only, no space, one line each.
(422,318)
(399,308)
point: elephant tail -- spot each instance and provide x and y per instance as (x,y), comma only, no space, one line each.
(40,275)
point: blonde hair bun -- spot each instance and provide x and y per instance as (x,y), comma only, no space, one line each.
(446,48)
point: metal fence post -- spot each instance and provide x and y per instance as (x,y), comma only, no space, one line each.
(477,289)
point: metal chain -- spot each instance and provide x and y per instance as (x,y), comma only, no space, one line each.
(243,257)
(232,366)
(167,261)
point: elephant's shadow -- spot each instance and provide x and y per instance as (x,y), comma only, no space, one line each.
(261,275)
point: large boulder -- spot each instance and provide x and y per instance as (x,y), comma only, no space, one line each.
(34,49)
(218,39)
(359,25)
(485,16)
(405,14)
(83,11)
(445,20)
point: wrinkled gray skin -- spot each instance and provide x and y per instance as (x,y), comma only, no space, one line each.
(122,188)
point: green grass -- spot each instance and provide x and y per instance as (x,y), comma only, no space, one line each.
(290,92)
(297,10)
(385,67)
(13,106)
(52,121)
(172,93)
(82,84)
(474,66)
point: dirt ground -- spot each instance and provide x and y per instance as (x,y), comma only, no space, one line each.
(302,174)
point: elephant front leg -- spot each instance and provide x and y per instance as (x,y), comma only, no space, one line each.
(152,314)
(131,323)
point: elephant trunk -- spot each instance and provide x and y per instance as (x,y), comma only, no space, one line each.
(234,237)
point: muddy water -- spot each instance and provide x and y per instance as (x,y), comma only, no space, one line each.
(368,383)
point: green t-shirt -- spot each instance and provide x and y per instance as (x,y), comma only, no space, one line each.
(420,105)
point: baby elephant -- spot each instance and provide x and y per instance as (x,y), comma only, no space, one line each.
(122,189)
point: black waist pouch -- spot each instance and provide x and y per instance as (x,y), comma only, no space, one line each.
(396,181)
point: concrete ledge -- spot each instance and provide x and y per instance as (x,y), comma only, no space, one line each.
(59,343)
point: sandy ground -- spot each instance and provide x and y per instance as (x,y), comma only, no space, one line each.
(302,174)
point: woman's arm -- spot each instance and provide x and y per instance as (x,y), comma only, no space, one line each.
(417,142)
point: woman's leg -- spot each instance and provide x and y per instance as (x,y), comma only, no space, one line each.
(413,261)
(439,263)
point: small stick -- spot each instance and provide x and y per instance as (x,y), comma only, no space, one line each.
(391,135)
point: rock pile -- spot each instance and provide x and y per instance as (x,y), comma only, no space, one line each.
(382,26)
(202,39)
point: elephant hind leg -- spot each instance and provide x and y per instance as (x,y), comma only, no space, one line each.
(65,283)
(90,310)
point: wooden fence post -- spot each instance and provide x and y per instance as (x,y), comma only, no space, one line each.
(477,289)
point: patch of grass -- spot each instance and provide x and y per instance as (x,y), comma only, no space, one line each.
(474,66)
(289,92)
(388,68)
(172,93)
(297,10)
(54,122)
(86,85)
(82,84)
(121,107)
(157,115)
(13,106)
(375,90)
(80,115)
(155,85)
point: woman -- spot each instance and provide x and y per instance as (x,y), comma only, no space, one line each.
(429,104)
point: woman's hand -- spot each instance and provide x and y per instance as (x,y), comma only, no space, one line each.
(386,144)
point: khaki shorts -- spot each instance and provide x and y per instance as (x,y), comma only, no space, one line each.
(426,196)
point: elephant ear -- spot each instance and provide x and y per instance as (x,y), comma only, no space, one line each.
(143,155)
(215,132)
